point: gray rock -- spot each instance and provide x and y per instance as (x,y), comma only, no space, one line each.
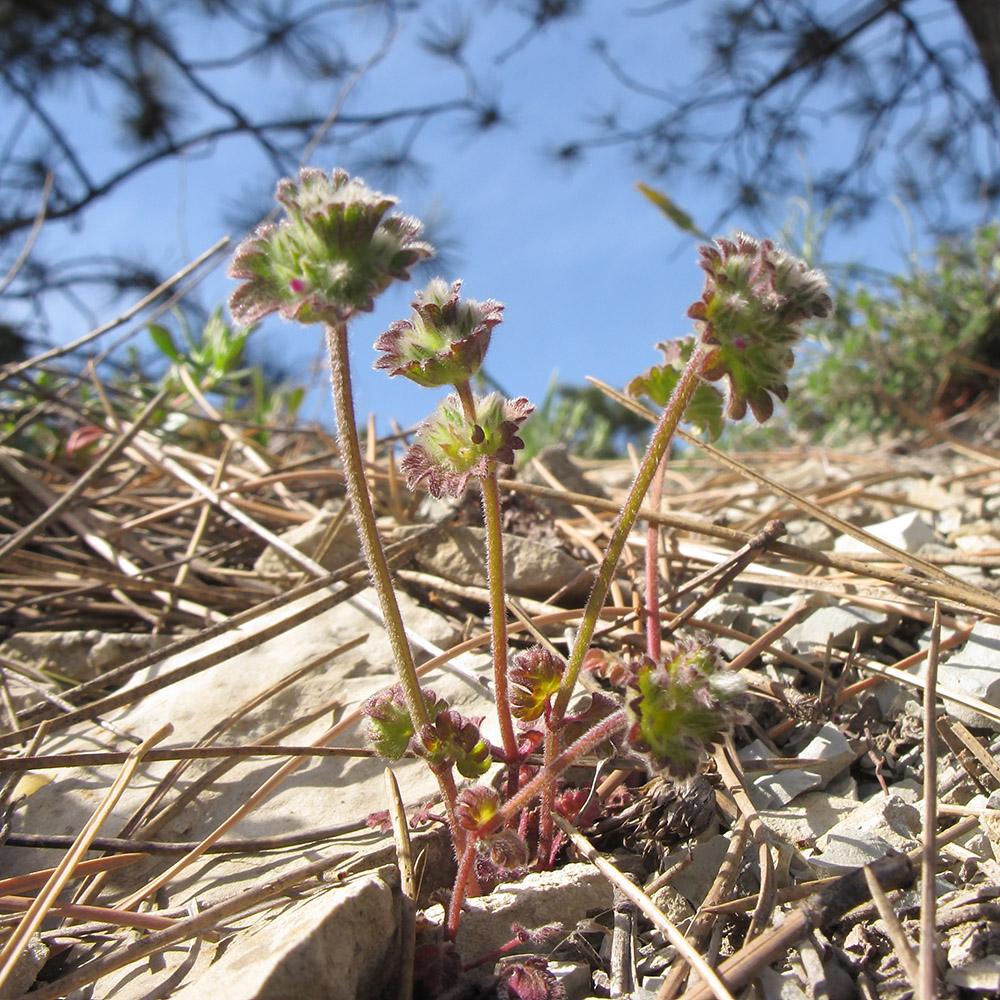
(565,896)
(557,460)
(867,832)
(779,986)
(29,963)
(339,550)
(839,625)
(779,787)
(982,976)
(844,852)
(907,532)
(694,881)
(809,533)
(974,670)
(458,554)
(812,815)
(343,944)
(78,655)
(323,792)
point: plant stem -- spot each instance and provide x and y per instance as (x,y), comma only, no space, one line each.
(498,607)
(364,516)
(458,893)
(658,445)
(654,634)
(655,453)
(378,565)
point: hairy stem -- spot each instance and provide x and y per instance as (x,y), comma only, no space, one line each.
(594,737)
(364,515)
(659,443)
(654,634)
(458,893)
(378,565)
(498,607)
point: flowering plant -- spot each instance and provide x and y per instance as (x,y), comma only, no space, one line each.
(335,250)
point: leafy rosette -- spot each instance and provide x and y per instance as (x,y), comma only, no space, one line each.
(445,339)
(679,707)
(755,299)
(657,384)
(448,449)
(334,251)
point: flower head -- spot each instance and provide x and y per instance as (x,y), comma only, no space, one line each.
(679,707)
(449,450)
(755,299)
(452,739)
(334,251)
(528,977)
(534,677)
(390,727)
(444,340)
(476,806)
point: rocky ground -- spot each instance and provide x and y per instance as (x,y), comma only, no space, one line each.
(214,586)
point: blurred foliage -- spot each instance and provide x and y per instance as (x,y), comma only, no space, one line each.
(929,338)
(585,420)
(41,411)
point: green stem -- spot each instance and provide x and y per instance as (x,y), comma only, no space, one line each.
(498,606)
(364,516)
(658,445)
(654,633)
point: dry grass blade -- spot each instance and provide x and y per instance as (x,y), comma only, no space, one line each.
(893,927)
(706,918)
(731,772)
(928,860)
(34,916)
(28,532)
(894,871)
(404,861)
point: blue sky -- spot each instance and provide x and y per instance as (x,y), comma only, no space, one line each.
(590,273)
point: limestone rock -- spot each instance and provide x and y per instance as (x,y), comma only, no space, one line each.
(78,654)
(564,896)
(340,546)
(872,828)
(343,944)
(974,670)
(838,624)
(458,554)
(907,532)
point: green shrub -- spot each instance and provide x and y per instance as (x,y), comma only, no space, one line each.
(930,338)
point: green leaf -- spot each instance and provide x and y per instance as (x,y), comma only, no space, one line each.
(164,341)
(671,210)
(704,412)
